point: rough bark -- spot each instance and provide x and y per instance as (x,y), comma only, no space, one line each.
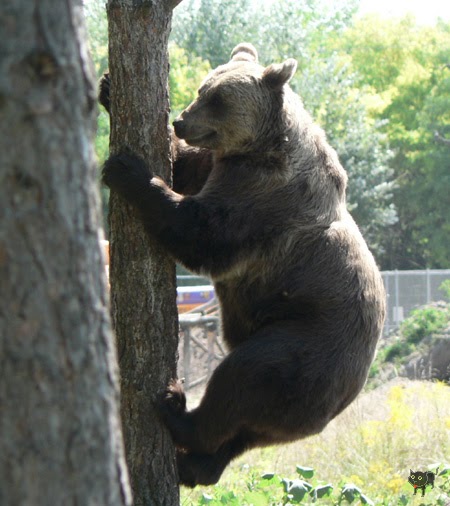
(60,440)
(142,277)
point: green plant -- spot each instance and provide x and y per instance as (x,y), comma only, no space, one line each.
(424,322)
(396,350)
(445,287)
(271,488)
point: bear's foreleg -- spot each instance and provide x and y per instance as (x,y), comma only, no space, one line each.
(187,229)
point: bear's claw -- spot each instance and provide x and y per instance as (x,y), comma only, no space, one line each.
(174,397)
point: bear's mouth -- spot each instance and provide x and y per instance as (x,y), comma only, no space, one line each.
(201,138)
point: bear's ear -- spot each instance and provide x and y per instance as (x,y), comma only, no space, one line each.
(278,74)
(244,52)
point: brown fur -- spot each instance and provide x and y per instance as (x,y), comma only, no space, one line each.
(302,301)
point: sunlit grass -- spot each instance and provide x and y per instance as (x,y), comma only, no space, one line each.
(386,432)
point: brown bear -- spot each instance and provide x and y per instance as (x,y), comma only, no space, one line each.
(302,301)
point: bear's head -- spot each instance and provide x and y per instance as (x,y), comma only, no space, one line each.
(239,104)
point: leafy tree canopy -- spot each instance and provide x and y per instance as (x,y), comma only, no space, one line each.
(406,68)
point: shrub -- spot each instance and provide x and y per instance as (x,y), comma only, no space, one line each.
(424,322)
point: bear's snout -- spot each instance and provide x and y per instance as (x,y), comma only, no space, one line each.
(180,128)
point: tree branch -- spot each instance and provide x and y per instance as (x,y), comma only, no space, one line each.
(440,139)
(171,4)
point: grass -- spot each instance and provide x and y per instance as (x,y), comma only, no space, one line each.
(386,432)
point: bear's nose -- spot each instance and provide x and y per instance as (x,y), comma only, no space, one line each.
(179,127)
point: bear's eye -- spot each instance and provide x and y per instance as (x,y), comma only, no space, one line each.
(216,100)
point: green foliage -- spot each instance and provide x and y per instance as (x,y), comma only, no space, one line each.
(309,29)
(211,28)
(405,68)
(445,287)
(330,93)
(351,493)
(364,456)
(271,488)
(397,350)
(417,334)
(185,76)
(102,138)
(97,26)
(424,322)
(305,472)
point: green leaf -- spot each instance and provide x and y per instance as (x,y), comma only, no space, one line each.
(444,471)
(256,498)
(268,476)
(230,499)
(350,492)
(403,500)
(306,472)
(206,499)
(296,489)
(298,492)
(366,500)
(323,491)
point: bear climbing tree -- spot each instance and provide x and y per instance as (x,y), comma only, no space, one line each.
(302,300)
(142,276)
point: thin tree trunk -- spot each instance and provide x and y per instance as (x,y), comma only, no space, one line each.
(60,441)
(142,276)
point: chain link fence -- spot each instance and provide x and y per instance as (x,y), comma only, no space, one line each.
(201,347)
(407,290)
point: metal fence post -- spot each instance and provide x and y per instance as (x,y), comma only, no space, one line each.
(397,298)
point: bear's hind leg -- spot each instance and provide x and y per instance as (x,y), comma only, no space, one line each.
(260,389)
(204,429)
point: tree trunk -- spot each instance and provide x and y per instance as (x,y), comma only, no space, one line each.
(60,440)
(142,276)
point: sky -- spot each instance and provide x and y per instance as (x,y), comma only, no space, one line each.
(425,11)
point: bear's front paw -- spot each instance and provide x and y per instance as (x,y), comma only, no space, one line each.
(128,175)
(103,90)
(174,399)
